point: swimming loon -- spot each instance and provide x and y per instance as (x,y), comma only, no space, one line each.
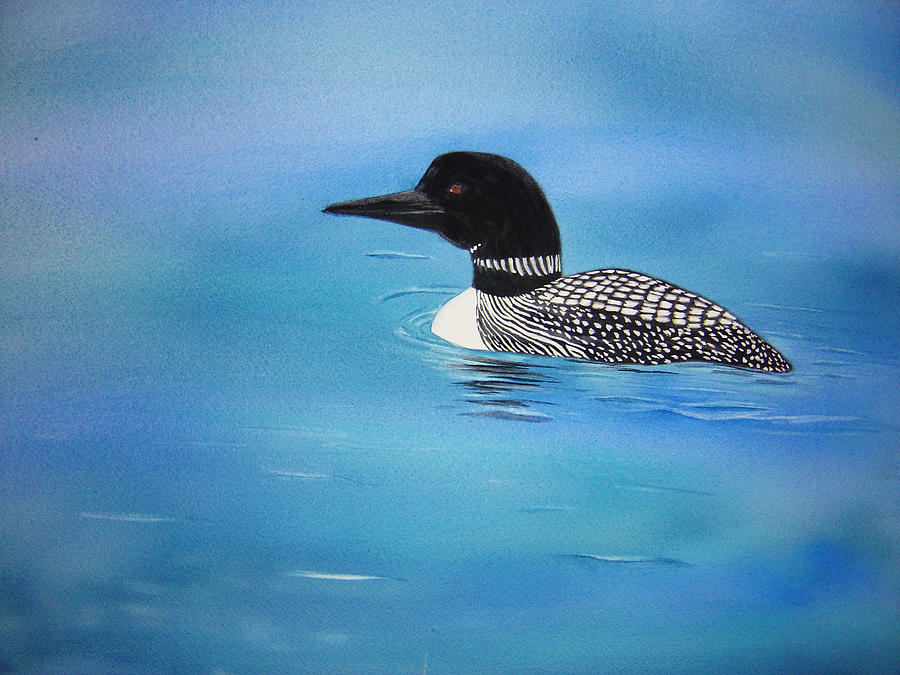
(520,301)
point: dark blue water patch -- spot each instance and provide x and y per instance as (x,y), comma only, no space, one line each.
(817,571)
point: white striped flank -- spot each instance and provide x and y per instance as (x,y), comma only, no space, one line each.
(509,324)
(535,266)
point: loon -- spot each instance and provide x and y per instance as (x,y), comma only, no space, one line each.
(521,302)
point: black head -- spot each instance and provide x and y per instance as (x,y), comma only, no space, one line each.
(484,203)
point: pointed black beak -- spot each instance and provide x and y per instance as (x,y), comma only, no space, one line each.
(413,208)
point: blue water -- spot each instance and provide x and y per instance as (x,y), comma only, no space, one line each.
(230,443)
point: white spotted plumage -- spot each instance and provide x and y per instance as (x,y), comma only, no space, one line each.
(619,316)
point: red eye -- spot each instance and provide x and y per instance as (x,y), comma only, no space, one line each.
(455,189)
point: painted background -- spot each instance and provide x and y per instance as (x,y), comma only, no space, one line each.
(230,443)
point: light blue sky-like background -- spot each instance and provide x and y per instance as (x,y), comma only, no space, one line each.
(140,104)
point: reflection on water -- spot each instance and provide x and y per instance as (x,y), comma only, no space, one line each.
(501,388)
(487,376)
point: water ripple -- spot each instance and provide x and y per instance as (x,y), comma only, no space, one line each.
(424,290)
(126,517)
(397,255)
(508,387)
(625,560)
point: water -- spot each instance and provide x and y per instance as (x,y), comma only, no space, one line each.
(231,444)
(262,486)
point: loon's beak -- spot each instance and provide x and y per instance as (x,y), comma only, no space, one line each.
(413,208)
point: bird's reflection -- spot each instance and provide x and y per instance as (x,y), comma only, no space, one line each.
(502,389)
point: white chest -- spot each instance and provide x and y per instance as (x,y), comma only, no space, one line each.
(455,322)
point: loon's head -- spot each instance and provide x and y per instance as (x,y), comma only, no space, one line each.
(484,203)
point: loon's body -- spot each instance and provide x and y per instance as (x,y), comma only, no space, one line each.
(520,301)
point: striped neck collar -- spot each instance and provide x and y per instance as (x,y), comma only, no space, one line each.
(514,275)
(534,265)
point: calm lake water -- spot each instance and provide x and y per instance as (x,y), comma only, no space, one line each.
(266,462)
(231,443)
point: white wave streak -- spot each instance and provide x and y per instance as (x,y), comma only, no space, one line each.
(794,308)
(299,474)
(626,559)
(126,517)
(336,576)
(812,419)
(398,255)
(662,488)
